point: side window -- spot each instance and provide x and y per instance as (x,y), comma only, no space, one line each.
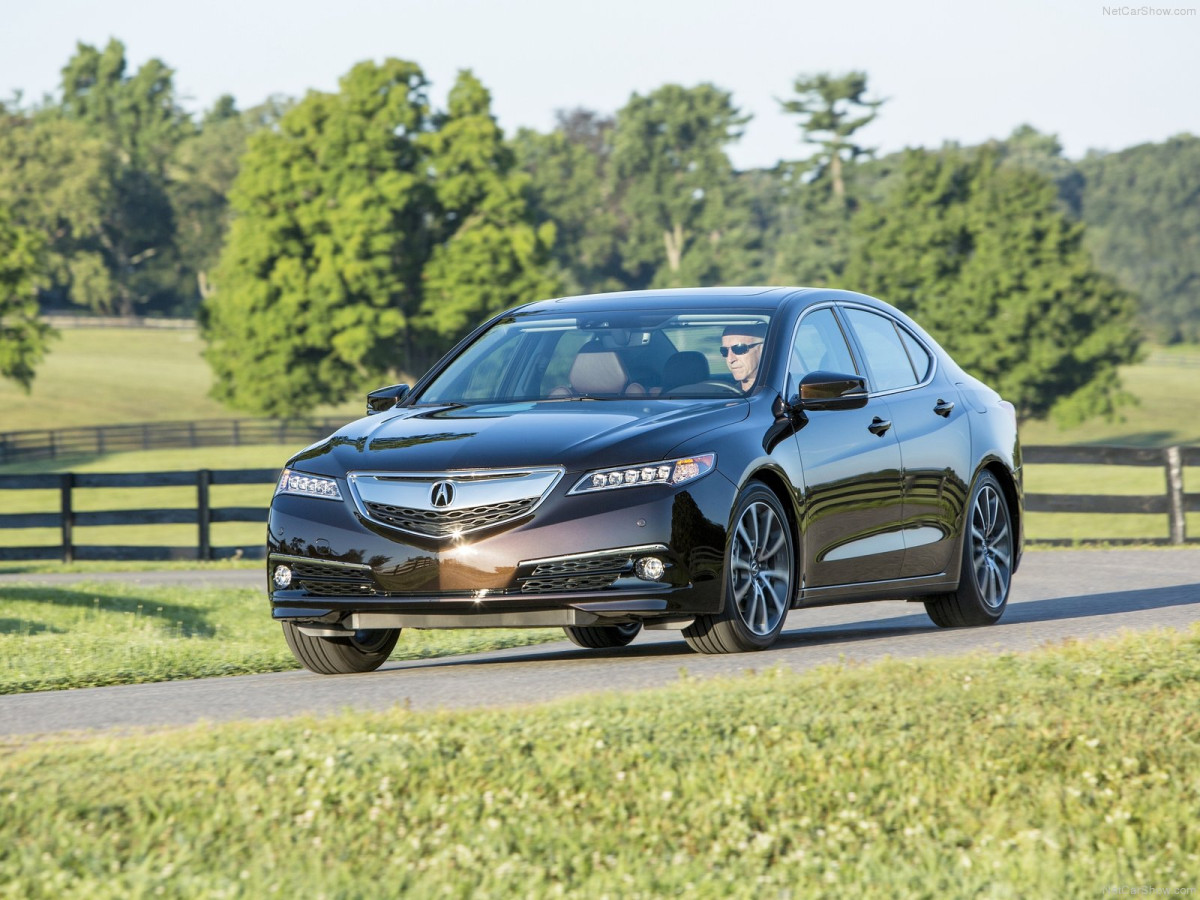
(917,353)
(886,359)
(820,346)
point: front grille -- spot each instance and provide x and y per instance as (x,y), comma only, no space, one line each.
(617,563)
(317,569)
(359,587)
(596,582)
(329,579)
(447,522)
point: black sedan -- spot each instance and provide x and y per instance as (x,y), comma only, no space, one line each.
(703,460)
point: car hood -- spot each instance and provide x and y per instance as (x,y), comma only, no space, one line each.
(577,434)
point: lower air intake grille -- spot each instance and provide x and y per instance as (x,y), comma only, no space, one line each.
(564,585)
(446,522)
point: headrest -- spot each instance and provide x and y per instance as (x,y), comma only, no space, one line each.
(684,367)
(597,371)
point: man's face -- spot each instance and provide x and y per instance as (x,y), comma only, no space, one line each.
(744,366)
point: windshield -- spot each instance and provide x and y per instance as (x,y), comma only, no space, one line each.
(604,356)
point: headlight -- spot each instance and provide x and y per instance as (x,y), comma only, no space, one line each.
(671,472)
(293,482)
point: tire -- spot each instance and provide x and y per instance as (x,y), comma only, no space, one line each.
(759,574)
(594,637)
(365,651)
(987,562)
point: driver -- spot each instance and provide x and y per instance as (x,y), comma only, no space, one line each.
(741,346)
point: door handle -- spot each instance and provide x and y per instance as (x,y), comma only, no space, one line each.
(943,407)
(879,426)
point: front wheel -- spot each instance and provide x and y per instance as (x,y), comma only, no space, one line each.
(594,637)
(987,562)
(759,566)
(362,651)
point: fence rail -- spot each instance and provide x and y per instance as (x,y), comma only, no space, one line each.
(1174,503)
(67,518)
(20,446)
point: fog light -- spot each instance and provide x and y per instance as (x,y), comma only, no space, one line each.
(283,577)
(649,568)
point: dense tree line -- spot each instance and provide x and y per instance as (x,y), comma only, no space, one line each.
(354,235)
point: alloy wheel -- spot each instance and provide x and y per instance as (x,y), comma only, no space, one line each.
(760,565)
(991,546)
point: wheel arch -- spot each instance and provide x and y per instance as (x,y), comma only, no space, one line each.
(777,484)
(1012,499)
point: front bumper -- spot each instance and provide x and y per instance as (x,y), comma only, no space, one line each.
(570,563)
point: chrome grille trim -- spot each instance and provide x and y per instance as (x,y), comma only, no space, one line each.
(482,499)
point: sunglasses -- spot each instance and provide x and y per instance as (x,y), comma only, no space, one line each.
(739,349)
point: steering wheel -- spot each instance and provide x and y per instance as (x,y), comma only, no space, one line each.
(716,382)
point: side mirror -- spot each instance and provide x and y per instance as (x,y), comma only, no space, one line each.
(831,390)
(383,399)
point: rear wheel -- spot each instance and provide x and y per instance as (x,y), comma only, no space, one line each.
(593,637)
(759,562)
(987,562)
(362,651)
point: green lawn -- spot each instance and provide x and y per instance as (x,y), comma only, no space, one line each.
(107,376)
(1163,392)
(111,633)
(1057,773)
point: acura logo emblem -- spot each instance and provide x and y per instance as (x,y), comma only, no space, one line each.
(442,494)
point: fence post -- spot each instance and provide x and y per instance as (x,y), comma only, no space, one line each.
(203,480)
(237,435)
(1176,519)
(100,440)
(66,482)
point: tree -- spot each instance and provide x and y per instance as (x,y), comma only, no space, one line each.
(202,170)
(571,186)
(682,215)
(137,118)
(320,275)
(23,337)
(489,253)
(54,178)
(828,105)
(1142,210)
(980,254)
(368,234)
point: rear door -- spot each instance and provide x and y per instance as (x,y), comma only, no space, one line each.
(934,438)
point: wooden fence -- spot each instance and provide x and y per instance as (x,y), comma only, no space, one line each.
(67,519)
(18,446)
(1174,503)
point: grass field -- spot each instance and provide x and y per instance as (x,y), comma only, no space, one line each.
(107,376)
(109,633)
(1058,773)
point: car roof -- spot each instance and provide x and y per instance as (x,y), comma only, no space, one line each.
(674,298)
(692,299)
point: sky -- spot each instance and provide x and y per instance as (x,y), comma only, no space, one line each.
(963,72)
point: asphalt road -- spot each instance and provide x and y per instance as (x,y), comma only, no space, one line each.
(1078,594)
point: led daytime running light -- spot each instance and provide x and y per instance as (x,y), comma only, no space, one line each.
(670,472)
(293,482)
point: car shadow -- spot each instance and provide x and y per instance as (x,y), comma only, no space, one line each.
(27,627)
(193,621)
(1051,609)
